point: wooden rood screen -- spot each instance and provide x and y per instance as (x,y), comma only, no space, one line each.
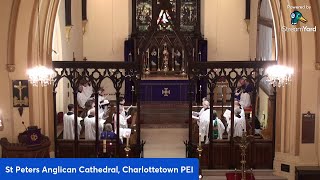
(95,73)
(224,152)
(221,153)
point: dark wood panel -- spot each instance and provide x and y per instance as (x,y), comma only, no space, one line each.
(86,149)
(204,162)
(262,157)
(220,155)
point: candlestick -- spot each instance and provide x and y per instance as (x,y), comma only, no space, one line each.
(172,53)
(128,138)
(104,146)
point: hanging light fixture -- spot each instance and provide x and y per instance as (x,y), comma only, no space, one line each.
(40,75)
(279,75)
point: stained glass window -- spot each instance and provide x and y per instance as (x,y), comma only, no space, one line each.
(166,15)
(144,15)
(188,15)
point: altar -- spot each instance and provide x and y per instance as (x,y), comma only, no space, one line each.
(169,89)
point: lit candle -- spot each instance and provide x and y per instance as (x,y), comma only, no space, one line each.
(132,88)
(200,88)
(104,146)
(199,139)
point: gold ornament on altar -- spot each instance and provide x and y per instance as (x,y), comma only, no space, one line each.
(165,58)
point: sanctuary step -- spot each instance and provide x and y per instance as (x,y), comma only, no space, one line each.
(164,113)
(164,142)
(258,174)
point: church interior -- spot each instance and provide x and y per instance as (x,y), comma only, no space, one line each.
(234,83)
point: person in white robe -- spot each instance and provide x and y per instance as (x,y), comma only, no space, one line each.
(90,126)
(237,105)
(218,126)
(227,115)
(203,122)
(123,123)
(84,93)
(197,114)
(239,123)
(68,123)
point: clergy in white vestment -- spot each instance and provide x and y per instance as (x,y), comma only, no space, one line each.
(227,115)
(123,123)
(237,105)
(204,121)
(197,114)
(218,126)
(103,109)
(90,126)
(68,124)
(84,93)
(239,123)
(81,97)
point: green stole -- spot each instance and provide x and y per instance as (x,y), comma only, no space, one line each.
(215,129)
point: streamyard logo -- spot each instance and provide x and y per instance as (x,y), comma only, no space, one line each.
(297,17)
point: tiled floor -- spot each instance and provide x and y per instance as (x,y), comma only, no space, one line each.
(164,142)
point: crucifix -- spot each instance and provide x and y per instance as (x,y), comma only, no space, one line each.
(20,87)
(166,92)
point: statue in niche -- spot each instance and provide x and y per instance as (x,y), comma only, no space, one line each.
(165,58)
(177,58)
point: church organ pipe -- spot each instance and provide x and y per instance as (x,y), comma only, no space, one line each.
(55,121)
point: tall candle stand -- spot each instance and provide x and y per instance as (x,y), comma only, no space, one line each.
(158,60)
(132,92)
(127,149)
(244,141)
(148,63)
(172,69)
(199,150)
(200,90)
(183,73)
